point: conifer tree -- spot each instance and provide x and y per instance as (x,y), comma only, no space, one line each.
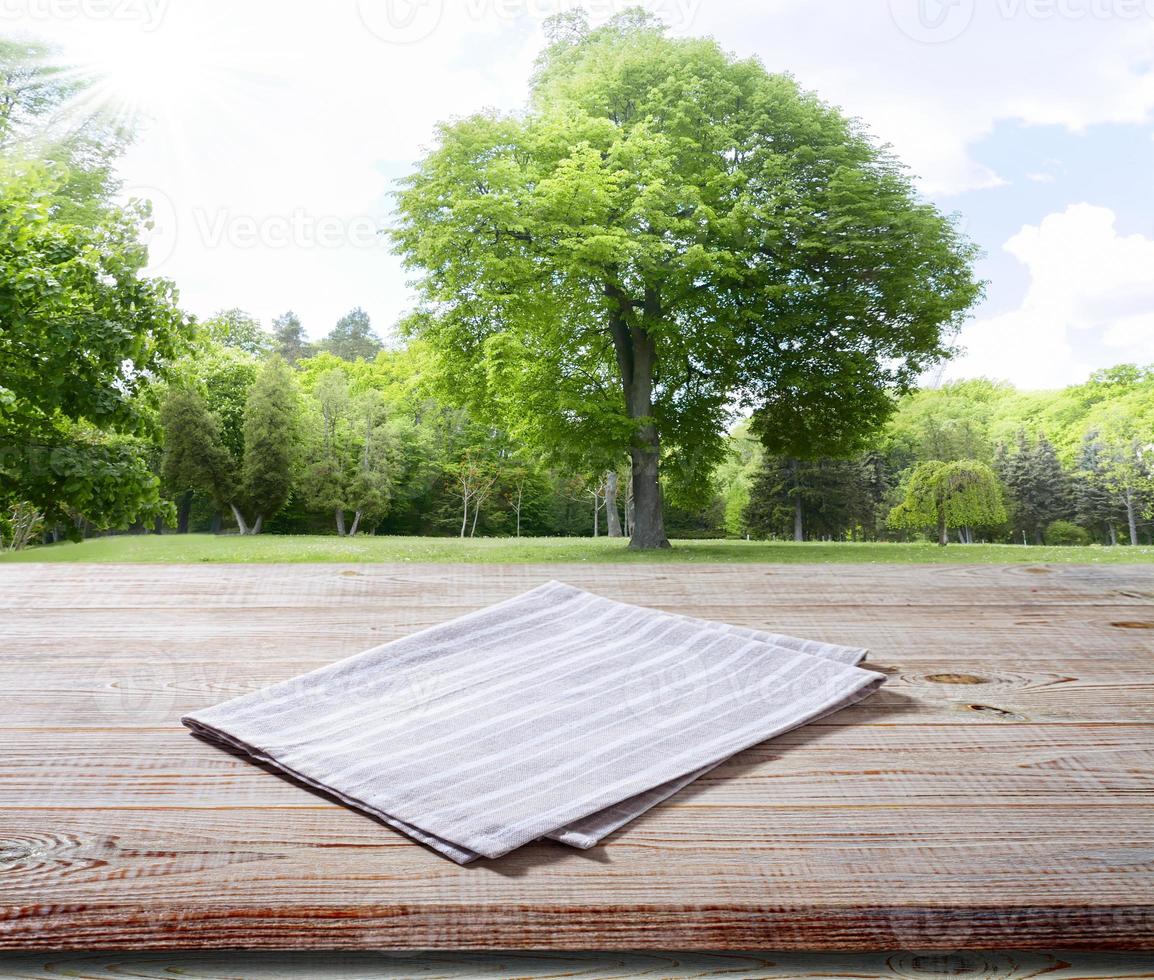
(270,446)
(194,458)
(353,337)
(1096,503)
(289,338)
(1038,486)
(820,498)
(872,486)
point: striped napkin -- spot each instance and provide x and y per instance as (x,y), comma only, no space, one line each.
(556,714)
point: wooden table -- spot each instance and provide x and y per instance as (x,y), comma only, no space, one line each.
(997,792)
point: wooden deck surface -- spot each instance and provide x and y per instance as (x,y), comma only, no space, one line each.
(998,792)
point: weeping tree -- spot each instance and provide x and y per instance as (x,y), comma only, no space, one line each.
(665,235)
(941,495)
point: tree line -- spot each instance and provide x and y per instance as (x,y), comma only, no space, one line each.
(313,442)
(972,460)
(265,439)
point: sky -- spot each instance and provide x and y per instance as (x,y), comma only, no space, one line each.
(273,131)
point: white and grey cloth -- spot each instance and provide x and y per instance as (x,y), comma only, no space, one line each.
(557,714)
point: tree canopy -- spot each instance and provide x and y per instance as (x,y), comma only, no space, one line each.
(83,333)
(667,234)
(353,337)
(289,337)
(239,330)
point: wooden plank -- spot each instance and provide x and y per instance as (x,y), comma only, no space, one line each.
(997,792)
(725,854)
(1017,965)
(844,765)
(155,689)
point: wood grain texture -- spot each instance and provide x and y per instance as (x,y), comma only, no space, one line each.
(976,965)
(998,792)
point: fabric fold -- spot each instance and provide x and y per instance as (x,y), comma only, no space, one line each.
(557,713)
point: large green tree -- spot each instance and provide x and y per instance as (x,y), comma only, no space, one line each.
(665,234)
(83,334)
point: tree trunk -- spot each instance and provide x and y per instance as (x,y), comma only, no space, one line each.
(943,531)
(612,518)
(255,529)
(241,526)
(1132,517)
(476,514)
(636,357)
(356,523)
(340,515)
(596,514)
(520,498)
(464,514)
(648,520)
(1112,534)
(798,525)
(629,521)
(183,512)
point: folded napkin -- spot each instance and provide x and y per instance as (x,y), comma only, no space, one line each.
(557,713)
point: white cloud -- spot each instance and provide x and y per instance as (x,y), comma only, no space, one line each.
(1090,301)
(934,76)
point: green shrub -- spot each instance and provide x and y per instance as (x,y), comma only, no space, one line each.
(1064,532)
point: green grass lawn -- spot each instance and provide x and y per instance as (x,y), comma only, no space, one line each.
(322,548)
